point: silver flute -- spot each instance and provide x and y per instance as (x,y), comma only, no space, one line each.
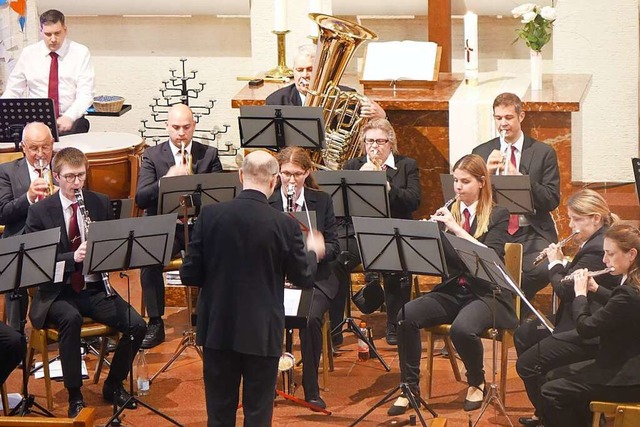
(543,255)
(86,221)
(569,278)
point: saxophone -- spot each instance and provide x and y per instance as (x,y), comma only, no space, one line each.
(86,222)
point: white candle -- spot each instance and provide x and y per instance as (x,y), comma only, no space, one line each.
(315,6)
(471,45)
(280,15)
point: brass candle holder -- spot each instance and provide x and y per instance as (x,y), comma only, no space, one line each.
(281,71)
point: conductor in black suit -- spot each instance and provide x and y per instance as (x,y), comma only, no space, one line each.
(295,93)
(240,254)
(167,159)
(64,303)
(518,154)
(295,175)
(378,140)
(21,185)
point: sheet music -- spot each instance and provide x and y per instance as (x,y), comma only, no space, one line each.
(292,301)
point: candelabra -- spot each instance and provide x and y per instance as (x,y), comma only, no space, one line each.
(281,71)
(176,90)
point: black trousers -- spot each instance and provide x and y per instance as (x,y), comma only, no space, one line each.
(12,348)
(223,370)
(534,278)
(66,314)
(468,316)
(348,260)
(81,125)
(311,344)
(16,309)
(152,282)
(540,352)
(566,398)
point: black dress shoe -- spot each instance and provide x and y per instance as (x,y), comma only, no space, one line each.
(154,335)
(118,395)
(75,407)
(317,401)
(472,405)
(530,422)
(392,334)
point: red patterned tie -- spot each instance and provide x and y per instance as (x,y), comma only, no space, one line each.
(462,281)
(513,219)
(77,279)
(53,83)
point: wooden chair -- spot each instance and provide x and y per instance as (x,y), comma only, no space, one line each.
(327,351)
(513,263)
(5,400)
(627,416)
(611,409)
(41,338)
(86,418)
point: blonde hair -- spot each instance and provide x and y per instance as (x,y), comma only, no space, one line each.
(383,125)
(476,167)
(587,202)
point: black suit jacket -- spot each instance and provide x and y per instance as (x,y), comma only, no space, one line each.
(495,238)
(589,256)
(618,360)
(156,162)
(14,184)
(320,202)
(540,162)
(289,95)
(239,255)
(404,197)
(48,214)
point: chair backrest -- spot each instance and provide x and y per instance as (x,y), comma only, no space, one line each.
(513,262)
(627,416)
(10,156)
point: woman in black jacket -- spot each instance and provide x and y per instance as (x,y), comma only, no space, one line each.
(614,375)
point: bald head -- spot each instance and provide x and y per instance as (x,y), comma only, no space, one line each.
(259,172)
(37,143)
(180,125)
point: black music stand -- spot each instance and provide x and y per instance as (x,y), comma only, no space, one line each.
(636,174)
(15,114)
(186,195)
(362,194)
(25,261)
(399,245)
(510,191)
(278,126)
(124,244)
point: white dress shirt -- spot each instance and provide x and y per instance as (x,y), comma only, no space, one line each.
(505,149)
(177,153)
(30,77)
(299,203)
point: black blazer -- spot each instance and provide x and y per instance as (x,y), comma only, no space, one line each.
(156,162)
(289,95)
(14,184)
(618,360)
(495,238)
(48,214)
(404,197)
(540,162)
(239,255)
(320,202)
(589,256)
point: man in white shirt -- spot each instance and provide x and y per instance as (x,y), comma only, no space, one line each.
(56,68)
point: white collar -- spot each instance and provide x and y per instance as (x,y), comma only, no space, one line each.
(176,150)
(472,208)
(504,146)
(299,200)
(390,161)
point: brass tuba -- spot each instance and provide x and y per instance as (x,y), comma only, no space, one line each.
(338,39)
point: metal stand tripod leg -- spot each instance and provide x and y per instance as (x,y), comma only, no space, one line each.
(188,340)
(353,328)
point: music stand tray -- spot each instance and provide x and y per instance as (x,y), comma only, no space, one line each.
(128,243)
(16,113)
(510,191)
(25,261)
(205,189)
(279,126)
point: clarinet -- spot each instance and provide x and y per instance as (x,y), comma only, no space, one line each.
(85,223)
(291,193)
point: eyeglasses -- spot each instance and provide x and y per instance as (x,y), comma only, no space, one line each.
(71,177)
(370,141)
(288,175)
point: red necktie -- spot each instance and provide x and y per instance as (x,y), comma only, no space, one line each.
(38,198)
(462,281)
(77,279)
(53,83)
(514,223)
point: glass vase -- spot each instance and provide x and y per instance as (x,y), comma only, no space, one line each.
(536,70)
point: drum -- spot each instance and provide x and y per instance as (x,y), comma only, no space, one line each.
(114,160)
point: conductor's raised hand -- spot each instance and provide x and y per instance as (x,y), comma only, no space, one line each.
(315,243)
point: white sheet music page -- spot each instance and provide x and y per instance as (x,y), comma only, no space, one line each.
(400,60)
(291,301)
